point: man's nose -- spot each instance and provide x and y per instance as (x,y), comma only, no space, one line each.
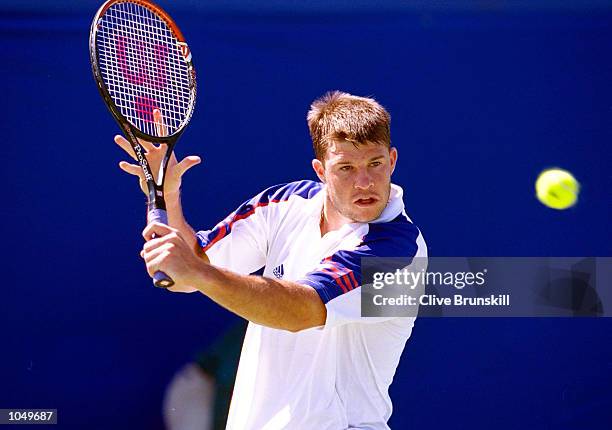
(363,180)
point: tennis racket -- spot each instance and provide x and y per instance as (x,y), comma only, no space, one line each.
(141,63)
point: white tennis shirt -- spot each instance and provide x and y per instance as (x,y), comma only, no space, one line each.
(331,377)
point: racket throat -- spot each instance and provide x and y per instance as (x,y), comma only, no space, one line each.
(156,199)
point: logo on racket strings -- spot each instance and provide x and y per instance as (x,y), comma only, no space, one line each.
(141,64)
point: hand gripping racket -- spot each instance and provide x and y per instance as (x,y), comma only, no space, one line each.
(141,63)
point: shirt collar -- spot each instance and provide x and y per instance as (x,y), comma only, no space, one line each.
(394,207)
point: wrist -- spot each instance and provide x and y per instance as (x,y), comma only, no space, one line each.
(200,277)
(173,198)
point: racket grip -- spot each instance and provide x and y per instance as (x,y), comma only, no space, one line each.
(160,279)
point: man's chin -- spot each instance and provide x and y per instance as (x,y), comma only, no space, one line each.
(366,215)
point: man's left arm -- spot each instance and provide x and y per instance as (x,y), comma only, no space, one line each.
(273,303)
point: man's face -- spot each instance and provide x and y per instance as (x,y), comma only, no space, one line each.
(358,178)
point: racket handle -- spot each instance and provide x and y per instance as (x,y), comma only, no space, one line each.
(160,279)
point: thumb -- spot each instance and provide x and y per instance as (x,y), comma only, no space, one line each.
(187,163)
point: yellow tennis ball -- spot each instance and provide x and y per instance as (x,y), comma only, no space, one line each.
(557,188)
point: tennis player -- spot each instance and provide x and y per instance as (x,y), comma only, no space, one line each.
(309,360)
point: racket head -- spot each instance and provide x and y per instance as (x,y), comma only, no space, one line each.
(141,62)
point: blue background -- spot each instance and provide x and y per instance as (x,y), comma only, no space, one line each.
(482,98)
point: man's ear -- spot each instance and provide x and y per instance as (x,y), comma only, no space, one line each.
(393,158)
(319,169)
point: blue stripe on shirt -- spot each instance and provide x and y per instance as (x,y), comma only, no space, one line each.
(278,193)
(396,238)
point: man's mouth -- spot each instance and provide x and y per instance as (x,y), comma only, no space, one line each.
(366,201)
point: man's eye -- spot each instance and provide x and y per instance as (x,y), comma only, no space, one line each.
(375,163)
(346,168)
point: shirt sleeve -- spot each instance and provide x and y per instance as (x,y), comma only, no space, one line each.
(239,242)
(337,279)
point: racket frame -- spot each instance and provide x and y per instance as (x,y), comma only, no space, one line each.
(156,206)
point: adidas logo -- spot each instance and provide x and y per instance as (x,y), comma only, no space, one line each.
(279,271)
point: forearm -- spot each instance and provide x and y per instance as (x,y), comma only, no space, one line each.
(177,220)
(278,304)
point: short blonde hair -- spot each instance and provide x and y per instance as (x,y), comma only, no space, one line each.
(339,115)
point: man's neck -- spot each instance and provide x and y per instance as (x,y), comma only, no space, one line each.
(331,220)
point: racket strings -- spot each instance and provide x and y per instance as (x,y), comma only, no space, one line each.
(143,67)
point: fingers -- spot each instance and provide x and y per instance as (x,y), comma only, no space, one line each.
(159,242)
(148,146)
(160,127)
(132,169)
(149,255)
(156,229)
(153,263)
(125,145)
(187,163)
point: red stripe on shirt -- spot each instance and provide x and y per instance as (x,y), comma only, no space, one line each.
(227,226)
(343,276)
(339,282)
(354,281)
